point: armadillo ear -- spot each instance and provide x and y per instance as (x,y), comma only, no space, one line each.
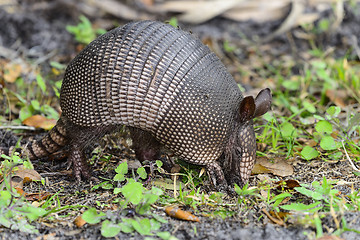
(247,109)
(263,102)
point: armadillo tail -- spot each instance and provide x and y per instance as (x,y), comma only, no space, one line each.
(52,142)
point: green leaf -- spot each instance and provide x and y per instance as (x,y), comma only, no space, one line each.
(159,163)
(173,22)
(122,168)
(23,226)
(5,196)
(117,190)
(92,217)
(4,221)
(107,186)
(49,111)
(324,126)
(57,65)
(324,25)
(333,111)
(291,85)
(126,226)
(57,88)
(110,229)
(141,172)
(303,207)
(41,83)
(354,121)
(155,225)
(25,112)
(35,104)
(318,64)
(229,48)
(310,193)
(149,198)
(288,130)
(33,213)
(159,218)
(318,225)
(323,74)
(156,191)
(309,153)
(164,235)
(336,155)
(143,226)
(119,177)
(133,192)
(309,106)
(84,32)
(279,198)
(103,185)
(328,143)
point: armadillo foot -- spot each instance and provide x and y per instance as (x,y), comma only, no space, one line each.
(216,176)
(78,161)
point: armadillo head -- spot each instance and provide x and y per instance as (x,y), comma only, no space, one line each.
(240,152)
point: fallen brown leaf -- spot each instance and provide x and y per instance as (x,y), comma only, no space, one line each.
(279,215)
(287,185)
(166,184)
(337,96)
(11,72)
(79,221)
(329,238)
(259,169)
(276,219)
(278,167)
(27,174)
(40,121)
(37,196)
(180,214)
(20,191)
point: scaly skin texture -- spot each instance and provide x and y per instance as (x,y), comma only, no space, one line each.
(170,89)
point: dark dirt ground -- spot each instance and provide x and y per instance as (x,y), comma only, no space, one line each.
(33,31)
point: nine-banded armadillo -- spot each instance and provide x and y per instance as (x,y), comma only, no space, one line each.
(170,89)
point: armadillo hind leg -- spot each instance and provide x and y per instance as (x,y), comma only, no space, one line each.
(77,159)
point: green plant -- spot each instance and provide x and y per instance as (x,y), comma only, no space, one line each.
(228,47)
(246,194)
(134,196)
(17,214)
(173,22)
(84,32)
(329,132)
(322,197)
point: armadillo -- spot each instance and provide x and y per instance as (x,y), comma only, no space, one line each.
(170,89)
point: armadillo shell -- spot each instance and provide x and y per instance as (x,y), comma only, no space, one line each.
(157,78)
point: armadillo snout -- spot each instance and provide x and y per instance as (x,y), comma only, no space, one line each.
(240,154)
(246,151)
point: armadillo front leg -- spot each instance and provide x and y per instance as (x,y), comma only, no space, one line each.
(216,175)
(148,148)
(145,145)
(78,161)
